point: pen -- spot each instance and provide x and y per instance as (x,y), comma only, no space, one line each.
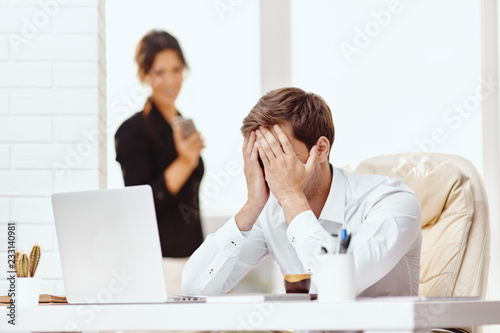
(345,239)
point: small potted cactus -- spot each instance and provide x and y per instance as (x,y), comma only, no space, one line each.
(27,284)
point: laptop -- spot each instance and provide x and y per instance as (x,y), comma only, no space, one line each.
(110,247)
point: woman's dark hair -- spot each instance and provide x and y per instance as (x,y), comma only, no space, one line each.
(150,45)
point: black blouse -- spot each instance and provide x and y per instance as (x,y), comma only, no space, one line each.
(145,148)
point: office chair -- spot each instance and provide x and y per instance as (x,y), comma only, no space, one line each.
(455,221)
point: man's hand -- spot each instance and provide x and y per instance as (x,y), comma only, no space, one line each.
(285,173)
(258,192)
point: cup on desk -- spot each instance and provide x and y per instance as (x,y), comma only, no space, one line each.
(335,278)
(28,292)
(297,283)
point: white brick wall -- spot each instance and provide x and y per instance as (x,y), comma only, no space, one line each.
(25,183)
(4,212)
(65,3)
(16,19)
(69,47)
(32,210)
(76,20)
(4,48)
(42,234)
(42,156)
(56,101)
(25,75)
(103,164)
(25,129)
(66,74)
(75,180)
(73,129)
(4,102)
(4,156)
(50,103)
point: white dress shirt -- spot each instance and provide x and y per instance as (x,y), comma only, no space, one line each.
(382,214)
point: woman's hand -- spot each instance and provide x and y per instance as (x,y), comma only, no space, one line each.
(188,149)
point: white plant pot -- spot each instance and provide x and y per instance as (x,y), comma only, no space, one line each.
(28,291)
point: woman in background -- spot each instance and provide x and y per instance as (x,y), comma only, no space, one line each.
(152,150)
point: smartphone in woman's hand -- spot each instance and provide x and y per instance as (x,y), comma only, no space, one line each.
(187,126)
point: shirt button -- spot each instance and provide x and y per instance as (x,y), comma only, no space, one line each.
(293,239)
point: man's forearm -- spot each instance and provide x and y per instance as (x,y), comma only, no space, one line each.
(246,217)
(293,205)
(209,269)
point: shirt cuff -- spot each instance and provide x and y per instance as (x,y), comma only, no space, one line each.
(229,238)
(303,226)
(246,233)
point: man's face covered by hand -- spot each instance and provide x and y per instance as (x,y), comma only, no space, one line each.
(288,163)
(299,147)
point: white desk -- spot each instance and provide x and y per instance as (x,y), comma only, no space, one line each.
(403,314)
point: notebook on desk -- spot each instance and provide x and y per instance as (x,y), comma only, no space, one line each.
(258,298)
(110,247)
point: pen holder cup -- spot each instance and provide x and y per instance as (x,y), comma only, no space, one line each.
(335,279)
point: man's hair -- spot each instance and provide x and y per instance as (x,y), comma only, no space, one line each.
(307,113)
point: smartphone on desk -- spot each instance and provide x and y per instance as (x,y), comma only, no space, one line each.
(187,125)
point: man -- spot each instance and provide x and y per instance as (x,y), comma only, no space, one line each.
(297,199)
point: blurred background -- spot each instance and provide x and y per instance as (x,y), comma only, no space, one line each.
(390,85)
